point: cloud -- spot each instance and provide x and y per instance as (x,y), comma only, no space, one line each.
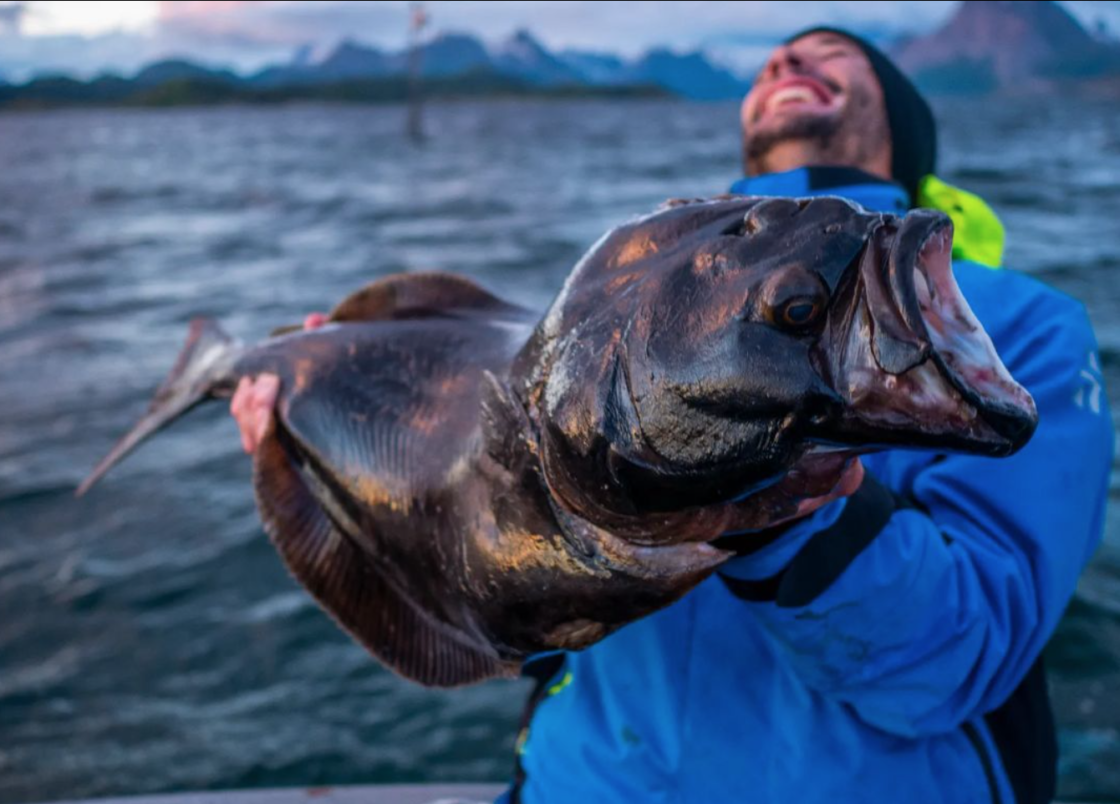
(281,22)
(248,35)
(11,17)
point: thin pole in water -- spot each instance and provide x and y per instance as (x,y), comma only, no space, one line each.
(418,18)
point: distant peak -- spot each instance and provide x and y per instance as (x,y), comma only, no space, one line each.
(348,46)
(521,41)
(303,55)
(999,44)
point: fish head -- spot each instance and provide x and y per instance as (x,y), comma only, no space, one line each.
(715,350)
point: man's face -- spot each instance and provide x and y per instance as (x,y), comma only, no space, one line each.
(820,92)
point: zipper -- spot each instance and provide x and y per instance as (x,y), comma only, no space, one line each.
(973,735)
(552,676)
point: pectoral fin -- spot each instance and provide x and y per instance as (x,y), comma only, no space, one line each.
(348,583)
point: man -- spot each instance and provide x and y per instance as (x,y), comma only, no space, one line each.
(887,645)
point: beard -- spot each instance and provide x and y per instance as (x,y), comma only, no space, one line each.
(817,129)
(852,136)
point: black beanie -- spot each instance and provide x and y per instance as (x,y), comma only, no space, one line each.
(913,130)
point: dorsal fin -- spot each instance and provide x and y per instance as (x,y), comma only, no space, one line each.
(417,295)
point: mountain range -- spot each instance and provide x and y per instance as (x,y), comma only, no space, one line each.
(986,46)
(522,58)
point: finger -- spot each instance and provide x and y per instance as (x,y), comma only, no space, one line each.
(260,424)
(251,407)
(242,398)
(849,482)
(242,412)
(806,507)
(315,320)
(265,391)
(237,403)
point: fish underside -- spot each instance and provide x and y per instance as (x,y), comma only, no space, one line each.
(462,484)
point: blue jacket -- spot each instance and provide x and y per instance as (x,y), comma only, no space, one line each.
(886,648)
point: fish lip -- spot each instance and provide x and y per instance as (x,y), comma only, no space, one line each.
(915,369)
(960,347)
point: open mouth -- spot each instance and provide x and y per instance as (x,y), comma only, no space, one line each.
(961,349)
(800,91)
(919,368)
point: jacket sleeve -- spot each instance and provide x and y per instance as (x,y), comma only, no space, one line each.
(924,617)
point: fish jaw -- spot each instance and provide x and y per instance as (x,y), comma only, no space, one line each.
(567,586)
(911,364)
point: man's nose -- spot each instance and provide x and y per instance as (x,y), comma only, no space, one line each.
(784,61)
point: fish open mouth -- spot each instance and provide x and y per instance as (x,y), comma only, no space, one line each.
(918,369)
(962,350)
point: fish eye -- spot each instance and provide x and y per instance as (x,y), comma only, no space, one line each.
(799,313)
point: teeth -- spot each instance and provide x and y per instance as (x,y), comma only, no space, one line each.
(789,94)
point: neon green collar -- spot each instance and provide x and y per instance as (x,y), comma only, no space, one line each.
(978,235)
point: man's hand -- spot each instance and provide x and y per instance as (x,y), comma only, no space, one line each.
(849,483)
(255,398)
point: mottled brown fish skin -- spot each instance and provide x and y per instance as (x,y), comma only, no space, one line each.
(462,486)
(673,389)
(380,435)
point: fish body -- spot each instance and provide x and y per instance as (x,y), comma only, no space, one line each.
(462,484)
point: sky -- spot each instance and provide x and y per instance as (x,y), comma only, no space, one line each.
(86,38)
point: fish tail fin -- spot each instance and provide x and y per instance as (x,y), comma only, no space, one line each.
(201,371)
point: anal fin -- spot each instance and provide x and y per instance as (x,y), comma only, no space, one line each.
(346,582)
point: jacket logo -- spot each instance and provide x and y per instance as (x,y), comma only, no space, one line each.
(1088,393)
